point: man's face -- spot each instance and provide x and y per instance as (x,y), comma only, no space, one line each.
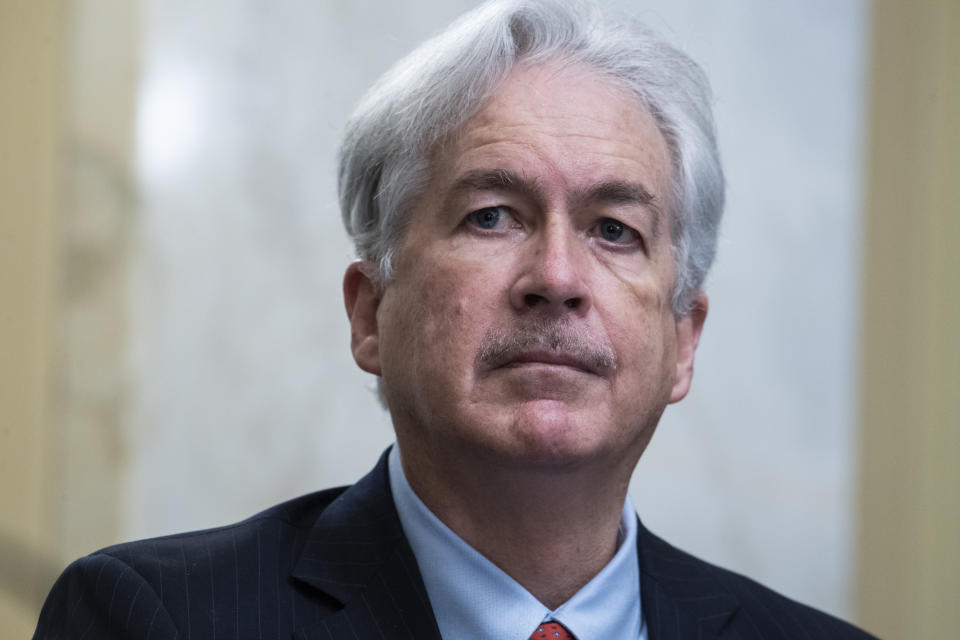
(529,320)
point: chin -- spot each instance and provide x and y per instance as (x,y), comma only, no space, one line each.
(549,433)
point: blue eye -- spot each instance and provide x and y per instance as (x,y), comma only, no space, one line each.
(486,218)
(617,233)
(611,230)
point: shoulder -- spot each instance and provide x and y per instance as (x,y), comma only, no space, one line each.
(762,607)
(144,588)
(284,524)
(754,611)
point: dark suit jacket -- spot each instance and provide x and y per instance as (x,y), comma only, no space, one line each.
(335,564)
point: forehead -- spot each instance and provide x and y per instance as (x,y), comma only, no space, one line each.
(561,123)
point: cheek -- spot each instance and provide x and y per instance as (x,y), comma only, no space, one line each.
(446,319)
(451,316)
(443,298)
(642,327)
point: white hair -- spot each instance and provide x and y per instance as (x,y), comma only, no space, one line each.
(434,90)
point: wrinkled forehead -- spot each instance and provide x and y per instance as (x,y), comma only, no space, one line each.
(562,117)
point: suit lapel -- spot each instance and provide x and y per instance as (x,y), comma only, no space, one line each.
(681,597)
(356,554)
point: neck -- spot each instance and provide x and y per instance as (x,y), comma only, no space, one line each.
(551,531)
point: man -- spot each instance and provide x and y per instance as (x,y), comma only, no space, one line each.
(534,197)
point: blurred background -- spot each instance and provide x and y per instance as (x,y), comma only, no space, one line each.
(174,351)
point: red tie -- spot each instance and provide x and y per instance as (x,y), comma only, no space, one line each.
(551,631)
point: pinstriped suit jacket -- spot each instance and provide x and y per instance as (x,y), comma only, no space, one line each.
(335,564)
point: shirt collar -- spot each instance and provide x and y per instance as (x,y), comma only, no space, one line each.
(472,597)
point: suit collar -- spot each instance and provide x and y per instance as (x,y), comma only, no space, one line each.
(356,554)
(682,597)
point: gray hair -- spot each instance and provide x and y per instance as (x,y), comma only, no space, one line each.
(434,90)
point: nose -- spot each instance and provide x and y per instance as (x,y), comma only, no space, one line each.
(552,277)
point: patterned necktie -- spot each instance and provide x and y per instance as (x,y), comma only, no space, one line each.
(551,631)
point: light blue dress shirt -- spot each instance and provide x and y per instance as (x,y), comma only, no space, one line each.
(473,598)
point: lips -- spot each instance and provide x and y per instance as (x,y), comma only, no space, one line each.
(551,358)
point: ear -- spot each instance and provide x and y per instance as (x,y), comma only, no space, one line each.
(361,300)
(689,328)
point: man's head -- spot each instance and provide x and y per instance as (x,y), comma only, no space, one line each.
(529,194)
(429,94)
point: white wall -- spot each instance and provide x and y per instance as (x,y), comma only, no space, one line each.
(244,392)
(756,468)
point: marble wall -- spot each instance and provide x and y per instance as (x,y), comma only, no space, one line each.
(242,390)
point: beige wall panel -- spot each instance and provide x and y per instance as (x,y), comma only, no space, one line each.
(29,115)
(909,576)
(101,72)
(68,73)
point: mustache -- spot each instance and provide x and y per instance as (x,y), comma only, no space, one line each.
(500,346)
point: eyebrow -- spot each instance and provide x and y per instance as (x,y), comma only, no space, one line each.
(616,192)
(495,180)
